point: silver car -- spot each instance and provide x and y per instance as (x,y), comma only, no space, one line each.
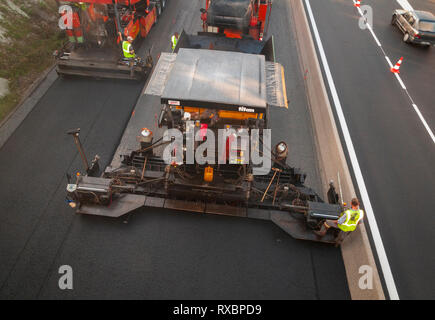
(417,26)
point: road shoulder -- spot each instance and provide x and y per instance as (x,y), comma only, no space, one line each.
(29,101)
(356,250)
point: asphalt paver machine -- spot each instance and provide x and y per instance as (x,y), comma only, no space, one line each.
(210,87)
(96,30)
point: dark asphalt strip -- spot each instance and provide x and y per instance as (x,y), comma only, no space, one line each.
(70,166)
(54,161)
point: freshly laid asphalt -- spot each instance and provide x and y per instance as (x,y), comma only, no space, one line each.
(158,254)
(395,152)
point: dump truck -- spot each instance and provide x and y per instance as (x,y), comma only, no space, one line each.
(96,30)
(204,93)
(237,18)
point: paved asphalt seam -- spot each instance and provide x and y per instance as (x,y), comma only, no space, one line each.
(383,259)
(56,256)
(316,286)
(406,6)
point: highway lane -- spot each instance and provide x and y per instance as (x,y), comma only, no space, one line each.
(418,67)
(158,254)
(395,152)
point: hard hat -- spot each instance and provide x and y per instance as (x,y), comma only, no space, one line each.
(146,132)
(187,116)
(129,38)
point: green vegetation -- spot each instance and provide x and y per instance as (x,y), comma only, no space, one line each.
(31,39)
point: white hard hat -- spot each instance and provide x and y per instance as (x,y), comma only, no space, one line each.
(129,38)
(187,116)
(146,132)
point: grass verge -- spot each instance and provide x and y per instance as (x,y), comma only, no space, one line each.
(28,52)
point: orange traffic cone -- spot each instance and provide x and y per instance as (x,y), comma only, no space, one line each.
(357,4)
(395,69)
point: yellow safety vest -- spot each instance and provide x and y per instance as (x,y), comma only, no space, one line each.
(174,42)
(353,217)
(126,49)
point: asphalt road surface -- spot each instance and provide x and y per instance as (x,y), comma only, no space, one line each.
(395,151)
(158,254)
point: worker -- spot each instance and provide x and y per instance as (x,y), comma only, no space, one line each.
(129,53)
(78,33)
(174,41)
(127,48)
(69,31)
(75,35)
(347,222)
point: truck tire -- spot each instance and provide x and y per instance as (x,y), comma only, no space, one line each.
(393,20)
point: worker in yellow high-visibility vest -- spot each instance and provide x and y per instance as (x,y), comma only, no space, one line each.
(174,41)
(348,221)
(127,49)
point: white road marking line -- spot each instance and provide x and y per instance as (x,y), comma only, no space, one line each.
(405,5)
(374,36)
(424,122)
(377,239)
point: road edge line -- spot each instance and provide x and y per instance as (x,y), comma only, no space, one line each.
(331,156)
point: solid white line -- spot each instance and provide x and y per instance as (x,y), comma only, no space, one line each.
(383,260)
(374,36)
(424,122)
(405,5)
